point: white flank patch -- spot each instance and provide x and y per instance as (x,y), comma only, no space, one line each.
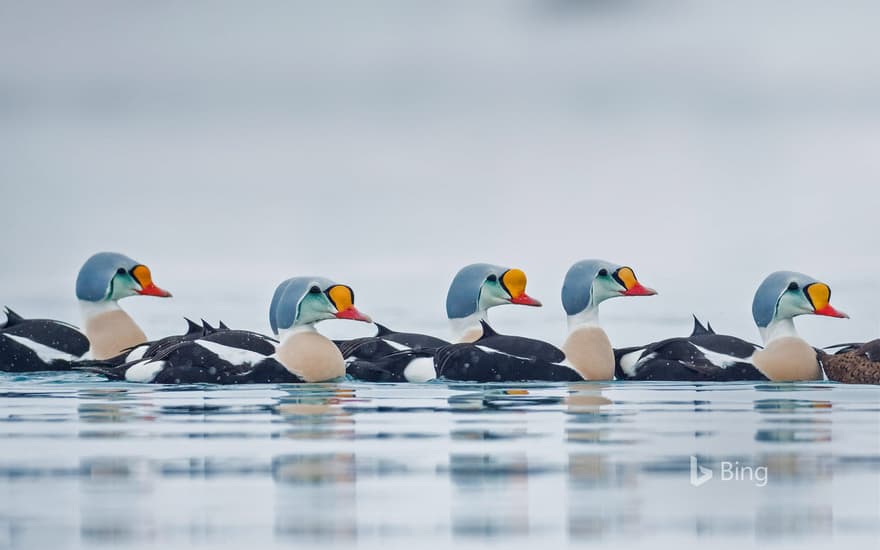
(45,353)
(720,359)
(144,372)
(420,369)
(233,356)
(495,351)
(565,362)
(629,361)
(490,350)
(395,345)
(68,325)
(136,354)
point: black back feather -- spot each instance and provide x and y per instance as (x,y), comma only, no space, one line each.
(12,318)
(527,348)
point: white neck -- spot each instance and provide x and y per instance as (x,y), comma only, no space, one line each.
(461,325)
(778,328)
(287,333)
(90,310)
(589,317)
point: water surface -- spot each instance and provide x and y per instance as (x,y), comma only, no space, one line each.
(86,463)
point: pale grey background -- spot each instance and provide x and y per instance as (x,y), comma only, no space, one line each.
(230,145)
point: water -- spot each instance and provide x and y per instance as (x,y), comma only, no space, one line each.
(85,463)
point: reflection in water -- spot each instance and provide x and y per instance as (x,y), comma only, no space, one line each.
(592,418)
(775,522)
(491,495)
(342,465)
(586,401)
(783,406)
(792,436)
(791,427)
(601,497)
(315,497)
(317,414)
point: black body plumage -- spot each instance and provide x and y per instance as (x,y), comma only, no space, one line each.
(502,358)
(23,342)
(385,356)
(189,362)
(692,358)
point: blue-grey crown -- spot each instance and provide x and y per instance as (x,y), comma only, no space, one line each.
(577,289)
(768,294)
(95,275)
(463,298)
(285,301)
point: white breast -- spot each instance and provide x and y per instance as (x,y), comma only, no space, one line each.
(720,359)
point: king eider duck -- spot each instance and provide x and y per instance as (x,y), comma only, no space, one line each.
(104,279)
(586,354)
(28,345)
(301,353)
(853,363)
(392,356)
(707,356)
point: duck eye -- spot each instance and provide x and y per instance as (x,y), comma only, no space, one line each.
(603,272)
(121,271)
(315,290)
(793,286)
(492,278)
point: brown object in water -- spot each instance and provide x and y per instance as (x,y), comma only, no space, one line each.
(853,366)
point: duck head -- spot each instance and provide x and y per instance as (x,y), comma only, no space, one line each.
(298,304)
(478,287)
(588,283)
(110,276)
(303,301)
(784,295)
(103,280)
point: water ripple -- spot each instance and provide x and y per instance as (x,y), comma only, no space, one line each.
(335,464)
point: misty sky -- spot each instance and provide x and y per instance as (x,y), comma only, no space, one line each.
(230,146)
